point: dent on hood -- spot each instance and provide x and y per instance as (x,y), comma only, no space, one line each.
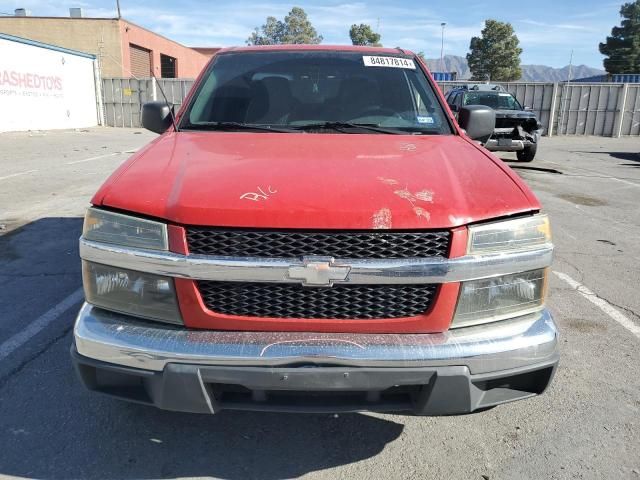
(413,198)
(382,219)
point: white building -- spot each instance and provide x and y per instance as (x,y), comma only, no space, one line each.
(44,87)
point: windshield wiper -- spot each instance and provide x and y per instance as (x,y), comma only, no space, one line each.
(236,126)
(345,126)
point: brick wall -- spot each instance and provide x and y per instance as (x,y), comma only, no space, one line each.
(189,62)
(85,35)
(108,39)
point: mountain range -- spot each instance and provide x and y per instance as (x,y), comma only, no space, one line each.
(530,73)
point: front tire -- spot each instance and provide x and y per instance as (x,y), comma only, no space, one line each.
(528,153)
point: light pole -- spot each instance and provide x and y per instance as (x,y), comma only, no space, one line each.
(442,48)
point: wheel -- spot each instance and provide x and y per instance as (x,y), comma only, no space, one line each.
(528,153)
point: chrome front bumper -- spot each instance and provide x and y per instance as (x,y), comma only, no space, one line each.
(126,341)
(516,144)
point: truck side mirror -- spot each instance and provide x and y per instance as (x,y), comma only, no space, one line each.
(156,116)
(478,121)
(454,107)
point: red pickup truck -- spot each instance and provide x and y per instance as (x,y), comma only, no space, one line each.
(313,231)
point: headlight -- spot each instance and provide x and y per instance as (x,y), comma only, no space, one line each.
(509,235)
(127,291)
(491,299)
(115,228)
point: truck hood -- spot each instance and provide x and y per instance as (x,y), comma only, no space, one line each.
(322,181)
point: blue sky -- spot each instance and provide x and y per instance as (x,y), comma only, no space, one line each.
(548,30)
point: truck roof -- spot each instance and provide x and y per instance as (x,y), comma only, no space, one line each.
(482,87)
(338,48)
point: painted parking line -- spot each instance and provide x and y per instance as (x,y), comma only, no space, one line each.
(19,339)
(106,155)
(18,174)
(599,174)
(602,304)
(91,159)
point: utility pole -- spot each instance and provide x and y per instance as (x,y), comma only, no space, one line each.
(565,94)
(442,48)
(118,7)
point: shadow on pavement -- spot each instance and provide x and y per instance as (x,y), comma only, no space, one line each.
(39,267)
(41,246)
(51,428)
(65,432)
(517,166)
(629,156)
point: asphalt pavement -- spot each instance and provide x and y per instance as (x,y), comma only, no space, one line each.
(586,426)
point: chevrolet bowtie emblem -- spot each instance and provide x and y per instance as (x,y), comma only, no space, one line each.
(319,272)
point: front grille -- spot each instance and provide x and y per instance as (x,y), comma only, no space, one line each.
(507,122)
(338,302)
(376,245)
(513,122)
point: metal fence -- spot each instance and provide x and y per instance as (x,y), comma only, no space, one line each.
(603,109)
(123,97)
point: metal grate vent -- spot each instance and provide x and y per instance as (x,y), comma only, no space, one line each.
(361,245)
(295,301)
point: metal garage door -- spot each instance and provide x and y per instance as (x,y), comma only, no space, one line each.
(140,61)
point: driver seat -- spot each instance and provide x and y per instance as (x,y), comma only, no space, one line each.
(356,96)
(272,102)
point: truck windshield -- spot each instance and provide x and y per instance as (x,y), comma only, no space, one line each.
(315,91)
(498,101)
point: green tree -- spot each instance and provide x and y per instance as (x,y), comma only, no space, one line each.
(495,55)
(296,28)
(271,33)
(623,46)
(363,35)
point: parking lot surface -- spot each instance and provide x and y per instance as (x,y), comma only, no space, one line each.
(586,426)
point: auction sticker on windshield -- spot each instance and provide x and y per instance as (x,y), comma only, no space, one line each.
(393,62)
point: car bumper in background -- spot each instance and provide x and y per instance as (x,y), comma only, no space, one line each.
(454,372)
(513,146)
(507,144)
